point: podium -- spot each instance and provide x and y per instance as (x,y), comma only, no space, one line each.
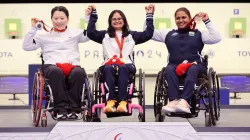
(123,131)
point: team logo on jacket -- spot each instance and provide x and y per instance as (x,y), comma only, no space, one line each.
(126,40)
(174,34)
(191,33)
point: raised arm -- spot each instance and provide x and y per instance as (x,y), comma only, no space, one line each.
(212,36)
(31,40)
(158,35)
(141,37)
(83,36)
(92,33)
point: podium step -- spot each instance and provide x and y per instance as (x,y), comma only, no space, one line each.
(123,131)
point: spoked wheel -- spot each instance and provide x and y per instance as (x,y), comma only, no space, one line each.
(160,98)
(211,96)
(37,98)
(89,97)
(217,97)
(141,97)
(96,97)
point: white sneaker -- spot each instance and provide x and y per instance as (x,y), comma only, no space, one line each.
(74,115)
(183,107)
(61,116)
(170,107)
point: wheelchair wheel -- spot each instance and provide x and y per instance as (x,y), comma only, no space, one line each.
(211,95)
(217,97)
(141,97)
(89,97)
(160,117)
(87,93)
(208,122)
(96,97)
(160,98)
(37,98)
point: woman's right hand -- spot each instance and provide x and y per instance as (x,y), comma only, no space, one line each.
(89,10)
(34,21)
(150,9)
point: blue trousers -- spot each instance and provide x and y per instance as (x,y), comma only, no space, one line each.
(189,83)
(124,72)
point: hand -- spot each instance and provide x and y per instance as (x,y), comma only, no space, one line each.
(204,16)
(150,9)
(153,7)
(92,7)
(89,10)
(34,21)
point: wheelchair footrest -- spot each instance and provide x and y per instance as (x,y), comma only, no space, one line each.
(94,107)
(131,106)
(117,114)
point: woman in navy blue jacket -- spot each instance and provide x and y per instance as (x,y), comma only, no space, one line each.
(120,41)
(184,44)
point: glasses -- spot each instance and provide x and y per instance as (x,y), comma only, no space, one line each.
(114,19)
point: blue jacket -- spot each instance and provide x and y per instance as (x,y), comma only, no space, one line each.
(186,44)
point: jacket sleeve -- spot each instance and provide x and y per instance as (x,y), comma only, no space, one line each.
(159,34)
(32,41)
(83,37)
(141,37)
(212,36)
(92,33)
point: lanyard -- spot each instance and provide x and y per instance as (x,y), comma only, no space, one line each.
(191,24)
(120,44)
(56,30)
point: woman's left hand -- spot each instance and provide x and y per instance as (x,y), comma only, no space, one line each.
(204,16)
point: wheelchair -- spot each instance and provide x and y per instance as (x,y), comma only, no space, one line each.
(99,94)
(206,91)
(42,93)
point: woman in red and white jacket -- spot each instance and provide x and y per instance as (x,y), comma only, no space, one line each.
(60,45)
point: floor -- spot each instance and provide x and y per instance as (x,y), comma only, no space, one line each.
(20,120)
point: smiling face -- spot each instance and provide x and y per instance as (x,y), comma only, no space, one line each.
(117,21)
(59,20)
(181,19)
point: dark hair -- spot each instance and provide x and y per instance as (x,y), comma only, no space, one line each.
(61,9)
(184,10)
(111,29)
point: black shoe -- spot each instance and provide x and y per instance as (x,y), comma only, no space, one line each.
(73,115)
(60,116)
